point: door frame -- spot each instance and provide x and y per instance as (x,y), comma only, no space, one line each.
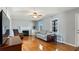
(76,38)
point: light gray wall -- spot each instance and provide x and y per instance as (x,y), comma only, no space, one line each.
(22,24)
(66,25)
(47,24)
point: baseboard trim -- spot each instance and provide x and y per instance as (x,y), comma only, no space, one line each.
(59,41)
(69,44)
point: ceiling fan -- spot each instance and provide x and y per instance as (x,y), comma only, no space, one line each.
(35,14)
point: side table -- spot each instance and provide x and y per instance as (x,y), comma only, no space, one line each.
(52,38)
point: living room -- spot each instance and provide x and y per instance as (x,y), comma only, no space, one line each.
(41,28)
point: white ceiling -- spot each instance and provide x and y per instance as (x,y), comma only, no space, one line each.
(23,12)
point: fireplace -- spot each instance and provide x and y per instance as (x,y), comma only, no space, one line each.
(25,32)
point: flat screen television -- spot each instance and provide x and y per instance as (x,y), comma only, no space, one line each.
(4,26)
(0,28)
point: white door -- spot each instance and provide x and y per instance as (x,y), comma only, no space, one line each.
(77,30)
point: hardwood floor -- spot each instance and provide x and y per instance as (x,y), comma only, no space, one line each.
(30,43)
(11,48)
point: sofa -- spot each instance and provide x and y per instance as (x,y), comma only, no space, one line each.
(43,35)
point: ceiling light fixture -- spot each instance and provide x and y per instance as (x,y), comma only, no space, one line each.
(36,14)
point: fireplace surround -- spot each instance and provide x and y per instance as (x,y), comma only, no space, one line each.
(25,32)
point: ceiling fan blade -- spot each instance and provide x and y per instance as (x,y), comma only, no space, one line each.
(39,15)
